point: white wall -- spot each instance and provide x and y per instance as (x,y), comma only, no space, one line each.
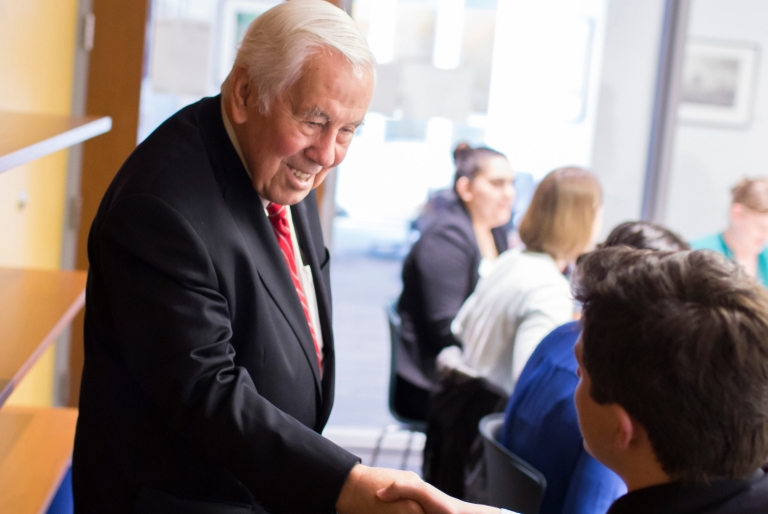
(626,104)
(708,161)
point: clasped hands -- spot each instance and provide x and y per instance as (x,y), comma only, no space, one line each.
(381,490)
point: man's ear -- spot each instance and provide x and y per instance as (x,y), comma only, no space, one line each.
(626,427)
(463,189)
(241,94)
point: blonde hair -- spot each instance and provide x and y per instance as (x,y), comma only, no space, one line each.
(279,42)
(752,194)
(562,212)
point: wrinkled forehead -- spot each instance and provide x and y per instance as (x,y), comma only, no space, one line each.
(327,59)
(329,87)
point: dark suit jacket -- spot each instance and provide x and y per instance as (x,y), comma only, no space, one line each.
(439,273)
(201,391)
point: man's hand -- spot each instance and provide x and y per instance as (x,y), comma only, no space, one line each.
(359,492)
(431,499)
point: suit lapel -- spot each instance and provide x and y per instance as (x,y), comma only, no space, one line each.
(246,209)
(308,246)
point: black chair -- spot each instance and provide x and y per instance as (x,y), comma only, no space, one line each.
(405,423)
(513,484)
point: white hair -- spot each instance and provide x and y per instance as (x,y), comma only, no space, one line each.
(279,42)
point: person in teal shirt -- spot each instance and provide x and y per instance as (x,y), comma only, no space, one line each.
(744,241)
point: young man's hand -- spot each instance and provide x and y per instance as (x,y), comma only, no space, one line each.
(431,499)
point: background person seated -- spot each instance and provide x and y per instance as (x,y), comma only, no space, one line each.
(524,186)
(540,423)
(526,294)
(444,265)
(523,298)
(747,233)
(673,368)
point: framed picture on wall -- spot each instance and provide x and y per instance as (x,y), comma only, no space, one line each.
(235,17)
(718,83)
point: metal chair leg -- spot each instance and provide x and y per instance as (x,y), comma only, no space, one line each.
(380,440)
(407,450)
(377,448)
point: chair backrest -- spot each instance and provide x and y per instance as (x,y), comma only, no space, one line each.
(393,318)
(513,484)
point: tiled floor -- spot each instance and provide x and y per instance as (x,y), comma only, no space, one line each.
(362,285)
(398,449)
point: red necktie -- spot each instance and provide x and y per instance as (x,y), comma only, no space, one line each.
(279,220)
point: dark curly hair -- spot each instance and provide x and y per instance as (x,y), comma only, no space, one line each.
(645,235)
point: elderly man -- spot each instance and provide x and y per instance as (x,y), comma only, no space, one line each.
(209,362)
(673,374)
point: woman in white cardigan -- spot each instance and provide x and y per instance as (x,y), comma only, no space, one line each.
(527,295)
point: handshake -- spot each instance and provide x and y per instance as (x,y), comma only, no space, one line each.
(383,490)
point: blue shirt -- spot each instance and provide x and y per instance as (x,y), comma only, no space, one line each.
(540,426)
(717,243)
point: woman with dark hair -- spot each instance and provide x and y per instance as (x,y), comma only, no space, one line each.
(527,295)
(444,265)
(512,308)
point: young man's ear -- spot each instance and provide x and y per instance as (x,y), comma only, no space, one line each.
(240,84)
(626,428)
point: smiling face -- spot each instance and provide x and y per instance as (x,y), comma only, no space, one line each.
(750,227)
(307,130)
(489,195)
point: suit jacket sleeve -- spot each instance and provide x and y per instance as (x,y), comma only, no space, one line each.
(174,333)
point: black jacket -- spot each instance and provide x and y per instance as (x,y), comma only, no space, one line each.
(748,496)
(439,273)
(201,391)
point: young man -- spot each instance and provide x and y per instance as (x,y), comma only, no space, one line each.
(673,390)
(540,423)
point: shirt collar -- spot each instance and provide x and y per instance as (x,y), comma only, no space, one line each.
(673,498)
(233,139)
